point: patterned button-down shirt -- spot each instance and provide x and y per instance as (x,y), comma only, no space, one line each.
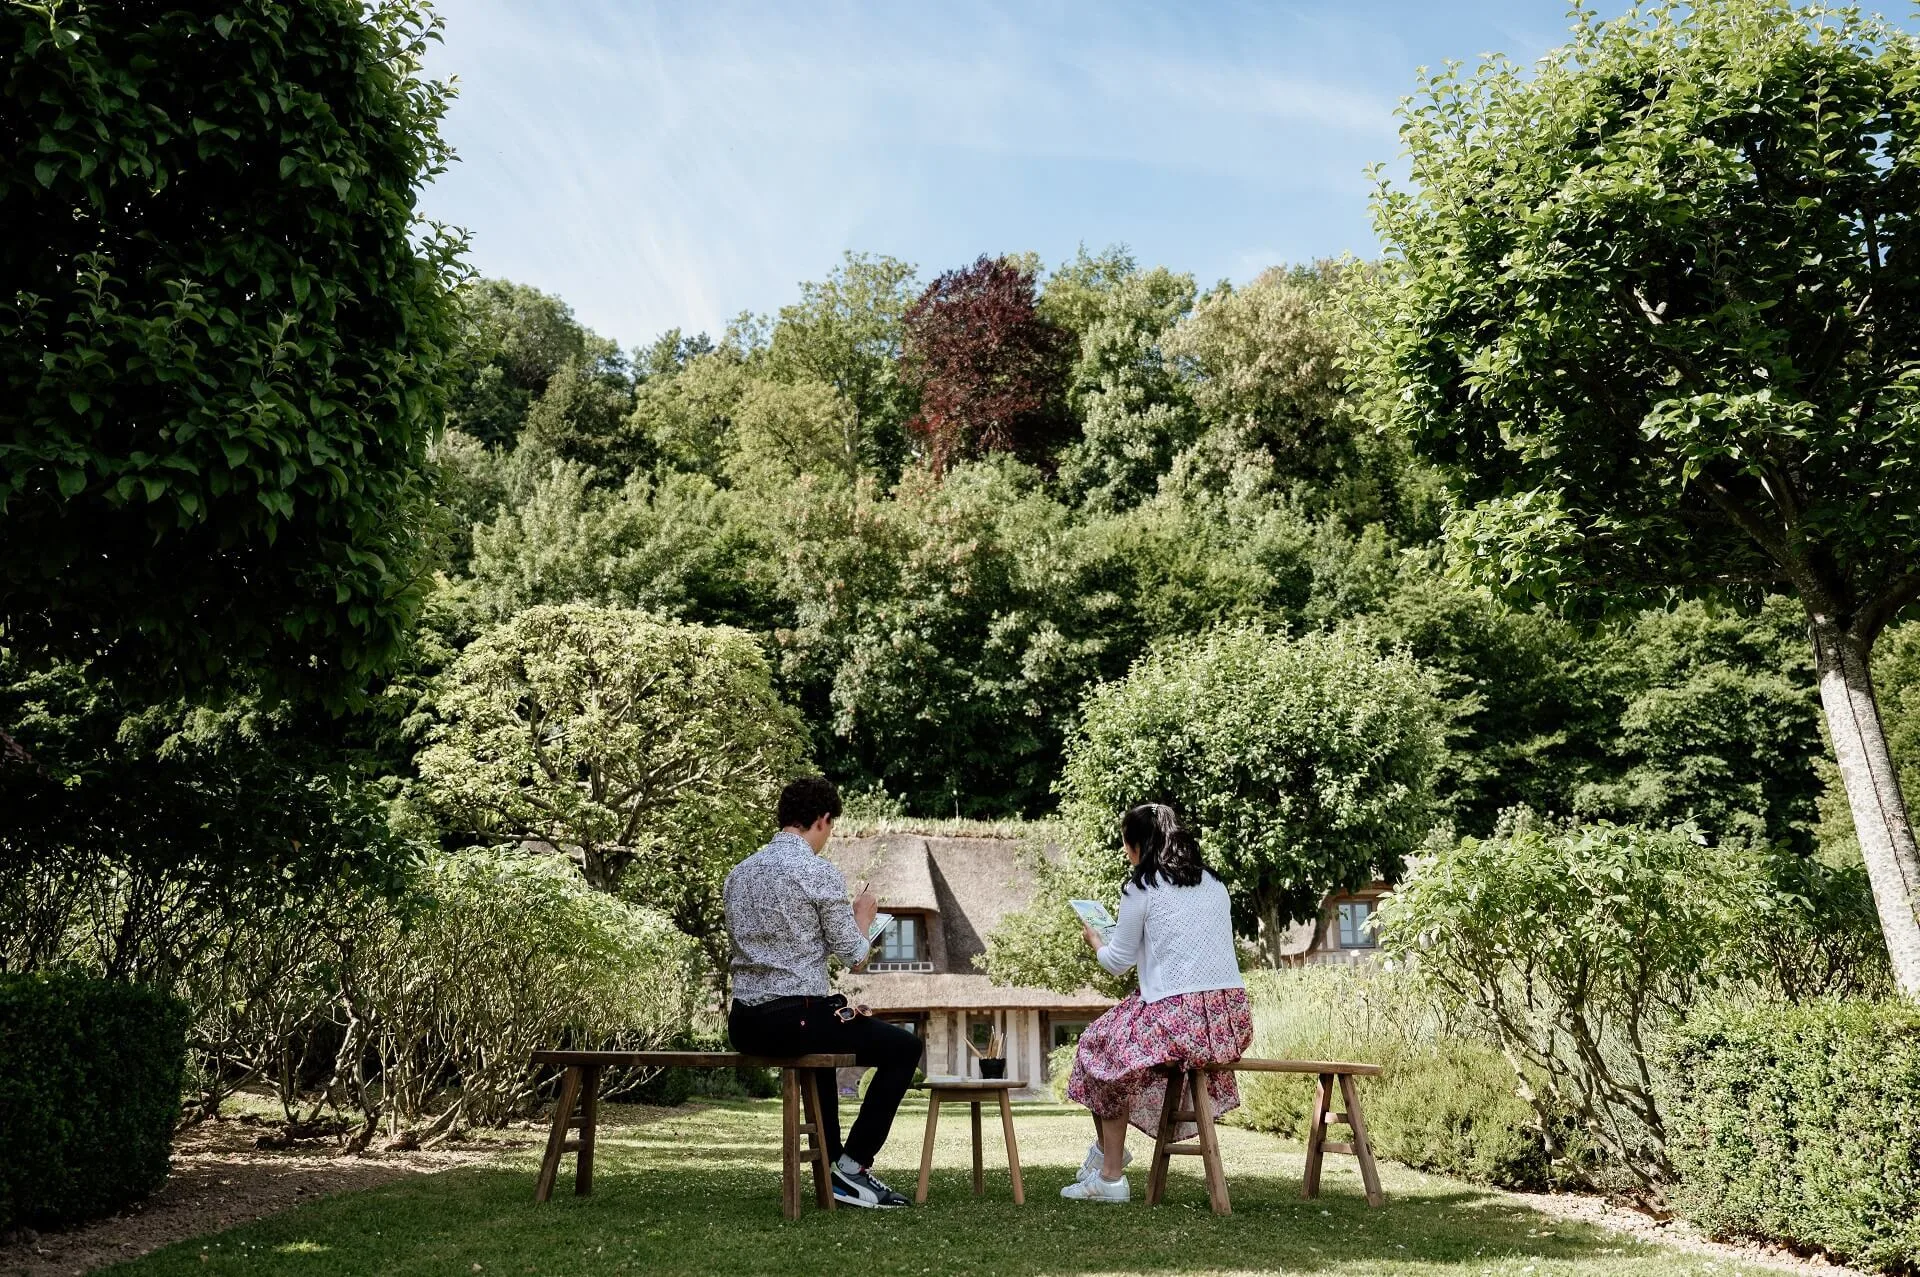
(787,912)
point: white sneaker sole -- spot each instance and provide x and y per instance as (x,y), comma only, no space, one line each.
(844,1200)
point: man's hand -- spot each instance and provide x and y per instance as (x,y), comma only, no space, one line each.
(1094,942)
(865,906)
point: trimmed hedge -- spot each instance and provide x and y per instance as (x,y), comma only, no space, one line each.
(1801,1124)
(90,1079)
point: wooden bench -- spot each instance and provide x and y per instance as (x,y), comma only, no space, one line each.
(579,1104)
(1206,1144)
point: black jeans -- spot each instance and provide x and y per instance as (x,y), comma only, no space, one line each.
(804,1026)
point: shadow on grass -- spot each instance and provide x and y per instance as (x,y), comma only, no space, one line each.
(710,1209)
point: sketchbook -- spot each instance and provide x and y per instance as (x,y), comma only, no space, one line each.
(881,921)
(1095,915)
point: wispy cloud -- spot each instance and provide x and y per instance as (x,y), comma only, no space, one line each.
(671,165)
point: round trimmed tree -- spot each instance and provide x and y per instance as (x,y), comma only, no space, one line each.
(652,751)
(1305,765)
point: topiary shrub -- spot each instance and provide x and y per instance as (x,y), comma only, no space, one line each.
(90,1079)
(1801,1124)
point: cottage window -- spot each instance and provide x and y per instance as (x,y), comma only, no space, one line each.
(1067,1032)
(900,942)
(1356,925)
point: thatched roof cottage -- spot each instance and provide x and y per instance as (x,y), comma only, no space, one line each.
(947,895)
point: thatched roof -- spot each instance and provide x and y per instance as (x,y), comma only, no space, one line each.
(895,865)
(971,883)
(901,992)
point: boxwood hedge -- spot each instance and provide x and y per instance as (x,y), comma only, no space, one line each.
(90,1078)
(1801,1124)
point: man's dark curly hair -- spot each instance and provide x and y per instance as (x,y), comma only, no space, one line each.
(806,800)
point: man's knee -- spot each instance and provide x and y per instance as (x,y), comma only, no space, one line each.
(897,1047)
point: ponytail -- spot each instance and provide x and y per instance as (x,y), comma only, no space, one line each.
(1168,850)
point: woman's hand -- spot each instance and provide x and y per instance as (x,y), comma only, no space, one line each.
(1094,942)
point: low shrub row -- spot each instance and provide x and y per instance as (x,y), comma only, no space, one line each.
(1801,1124)
(90,1079)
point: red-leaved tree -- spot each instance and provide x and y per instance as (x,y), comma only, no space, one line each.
(990,371)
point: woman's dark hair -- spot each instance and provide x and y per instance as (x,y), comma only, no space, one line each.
(806,800)
(1167,848)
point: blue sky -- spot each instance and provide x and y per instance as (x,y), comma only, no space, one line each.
(674,165)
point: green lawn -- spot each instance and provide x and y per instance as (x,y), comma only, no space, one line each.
(697,1191)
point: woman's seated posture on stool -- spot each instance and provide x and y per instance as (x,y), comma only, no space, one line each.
(1191,1007)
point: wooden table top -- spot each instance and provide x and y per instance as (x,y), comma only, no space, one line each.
(970,1083)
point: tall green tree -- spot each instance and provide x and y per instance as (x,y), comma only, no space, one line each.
(1133,407)
(1654,305)
(652,751)
(846,332)
(1269,367)
(514,340)
(222,334)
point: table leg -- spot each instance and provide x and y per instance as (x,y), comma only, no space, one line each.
(1317,1135)
(589,1121)
(979,1170)
(926,1149)
(557,1140)
(1013,1149)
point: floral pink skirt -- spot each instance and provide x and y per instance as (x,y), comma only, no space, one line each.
(1114,1067)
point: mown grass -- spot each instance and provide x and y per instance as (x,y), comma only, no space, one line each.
(697,1192)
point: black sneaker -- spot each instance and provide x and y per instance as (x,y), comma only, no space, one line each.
(862,1189)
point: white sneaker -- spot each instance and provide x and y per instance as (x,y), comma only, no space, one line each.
(1095,1159)
(1098,1189)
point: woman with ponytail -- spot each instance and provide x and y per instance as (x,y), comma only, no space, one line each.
(1191,1006)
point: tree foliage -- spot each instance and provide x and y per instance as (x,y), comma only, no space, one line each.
(652,751)
(1134,408)
(1305,765)
(514,340)
(1653,305)
(222,330)
(988,368)
(846,332)
(129,828)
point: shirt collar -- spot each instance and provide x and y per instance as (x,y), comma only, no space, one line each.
(791,842)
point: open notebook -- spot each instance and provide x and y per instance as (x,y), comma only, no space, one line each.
(1095,915)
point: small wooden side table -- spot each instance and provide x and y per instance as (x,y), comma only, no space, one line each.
(971,1091)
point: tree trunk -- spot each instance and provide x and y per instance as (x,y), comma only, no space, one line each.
(1873,792)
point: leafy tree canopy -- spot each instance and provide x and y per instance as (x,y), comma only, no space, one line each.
(1134,410)
(222,330)
(1654,308)
(846,332)
(1305,765)
(653,751)
(989,369)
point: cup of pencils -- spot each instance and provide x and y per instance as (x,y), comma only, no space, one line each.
(993,1060)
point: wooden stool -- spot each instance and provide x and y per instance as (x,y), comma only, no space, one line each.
(1206,1146)
(578,1108)
(969,1091)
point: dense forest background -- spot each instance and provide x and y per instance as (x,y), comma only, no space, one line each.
(951,509)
